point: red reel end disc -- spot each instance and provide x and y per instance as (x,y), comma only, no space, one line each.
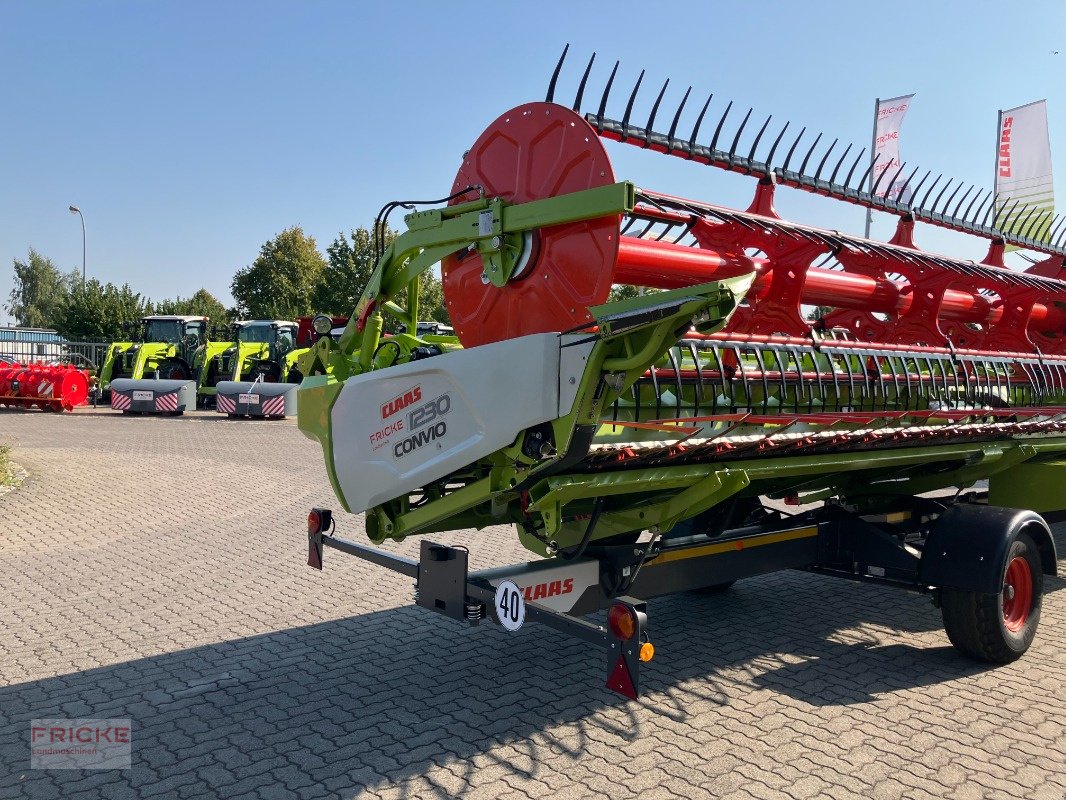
(532,152)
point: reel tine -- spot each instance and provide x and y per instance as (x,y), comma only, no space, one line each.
(873,189)
(758,138)
(1015,215)
(696,127)
(969,208)
(962,200)
(718,130)
(906,183)
(677,117)
(581,86)
(792,150)
(550,97)
(858,158)
(1023,228)
(1028,228)
(654,111)
(1053,232)
(984,219)
(736,139)
(952,197)
(921,183)
(840,163)
(1006,213)
(895,178)
(821,165)
(607,91)
(806,158)
(1049,215)
(869,169)
(929,191)
(1061,240)
(629,105)
(773,148)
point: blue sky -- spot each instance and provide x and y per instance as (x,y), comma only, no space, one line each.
(190,132)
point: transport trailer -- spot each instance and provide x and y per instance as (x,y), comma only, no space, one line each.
(983,567)
(647,445)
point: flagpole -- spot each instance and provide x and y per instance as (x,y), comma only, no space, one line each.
(995,170)
(873,158)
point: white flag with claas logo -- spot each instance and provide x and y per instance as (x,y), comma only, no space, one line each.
(1024,187)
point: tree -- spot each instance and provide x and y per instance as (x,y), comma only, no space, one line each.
(41,292)
(201,304)
(281,282)
(351,263)
(623,291)
(96,310)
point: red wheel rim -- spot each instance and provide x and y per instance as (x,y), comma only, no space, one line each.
(1017,593)
(532,152)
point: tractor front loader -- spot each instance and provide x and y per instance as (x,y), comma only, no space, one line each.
(665,443)
(161,370)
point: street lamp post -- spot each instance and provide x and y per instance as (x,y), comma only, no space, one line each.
(76,210)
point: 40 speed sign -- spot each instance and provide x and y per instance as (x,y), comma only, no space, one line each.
(510,605)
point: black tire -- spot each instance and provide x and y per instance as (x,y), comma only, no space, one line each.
(992,627)
(171,370)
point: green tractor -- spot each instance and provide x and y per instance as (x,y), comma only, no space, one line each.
(163,368)
(159,346)
(261,363)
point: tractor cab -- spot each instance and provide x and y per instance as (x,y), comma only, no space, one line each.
(182,339)
(187,334)
(261,347)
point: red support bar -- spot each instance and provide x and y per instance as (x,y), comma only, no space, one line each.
(664,265)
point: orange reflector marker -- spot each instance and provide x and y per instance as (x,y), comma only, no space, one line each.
(622,621)
(314,522)
(647,652)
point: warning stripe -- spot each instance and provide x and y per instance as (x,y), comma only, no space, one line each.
(120,402)
(273,405)
(224,404)
(166,402)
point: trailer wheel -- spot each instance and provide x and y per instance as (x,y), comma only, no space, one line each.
(998,627)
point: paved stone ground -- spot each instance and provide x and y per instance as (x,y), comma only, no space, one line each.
(153,569)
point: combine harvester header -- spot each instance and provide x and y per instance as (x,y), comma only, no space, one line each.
(636,445)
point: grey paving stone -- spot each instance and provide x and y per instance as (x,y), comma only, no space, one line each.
(153,569)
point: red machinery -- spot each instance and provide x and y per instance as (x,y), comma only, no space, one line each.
(49,387)
(889,293)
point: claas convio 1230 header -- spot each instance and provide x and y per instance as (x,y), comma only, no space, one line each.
(637,446)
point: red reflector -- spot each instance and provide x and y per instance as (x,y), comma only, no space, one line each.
(621,681)
(314,554)
(622,621)
(314,522)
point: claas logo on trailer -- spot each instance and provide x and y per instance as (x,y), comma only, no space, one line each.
(401,402)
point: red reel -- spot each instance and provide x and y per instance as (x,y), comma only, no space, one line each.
(531,152)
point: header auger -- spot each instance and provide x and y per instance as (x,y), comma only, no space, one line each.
(639,446)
